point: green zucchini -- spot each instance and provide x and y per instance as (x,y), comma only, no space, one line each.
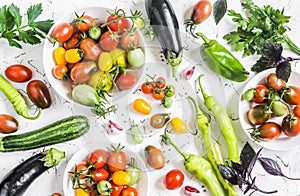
(61,131)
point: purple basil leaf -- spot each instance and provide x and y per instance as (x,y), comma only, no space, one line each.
(271,166)
(239,168)
(283,70)
(247,155)
(252,163)
(229,174)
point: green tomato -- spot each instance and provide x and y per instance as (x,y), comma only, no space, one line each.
(133,172)
(86,95)
(95,32)
(167,102)
(104,187)
(169,91)
(279,108)
(136,57)
(249,94)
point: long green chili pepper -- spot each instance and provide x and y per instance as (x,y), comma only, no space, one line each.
(16,99)
(224,122)
(221,61)
(213,153)
(200,168)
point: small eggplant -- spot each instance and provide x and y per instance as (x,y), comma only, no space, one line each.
(159,120)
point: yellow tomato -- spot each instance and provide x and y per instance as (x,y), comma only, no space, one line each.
(179,125)
(84,191)
(119,57)
(105,61)
(73,55)
(101,80)
(121,178)
(59,56)
(141,106)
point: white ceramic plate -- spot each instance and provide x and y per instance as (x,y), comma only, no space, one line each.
(282,143)
(64,88)
(141,186)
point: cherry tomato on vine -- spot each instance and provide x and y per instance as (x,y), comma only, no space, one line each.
(82,169)
(59,71)
(260,93)
(98,158)
(292,95)
(129,191)
(117,189)
(274,82)
(160,82)
(169,90)
(267,131)
(296,111)
(173,179)
(129,39)
(100,174)
(147,87)
(84,23)
(158,93)
(201,11)
(117,23)
(109,41)
(258,114)
(117,159)
(291,125)
(62,32)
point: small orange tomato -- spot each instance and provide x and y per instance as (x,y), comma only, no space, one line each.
(142,107)
(121,178)
(59,71)
(158,93)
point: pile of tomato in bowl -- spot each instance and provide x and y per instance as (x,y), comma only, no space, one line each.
(94,52)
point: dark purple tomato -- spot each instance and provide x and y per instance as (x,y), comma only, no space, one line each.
(8,124)
(39,94)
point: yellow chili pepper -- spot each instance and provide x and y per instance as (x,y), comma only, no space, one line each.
(121,178)
(59,56)
(179,125)
(73,55)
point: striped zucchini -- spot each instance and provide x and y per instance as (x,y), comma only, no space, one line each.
(61,131)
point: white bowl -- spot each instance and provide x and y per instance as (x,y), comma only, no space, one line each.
(141,186)
(282,143)
(63,88)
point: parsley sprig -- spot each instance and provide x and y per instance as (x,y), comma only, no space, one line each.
(13,29)
(259,25)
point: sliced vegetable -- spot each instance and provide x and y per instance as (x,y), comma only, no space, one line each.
(18,180)
(61,131)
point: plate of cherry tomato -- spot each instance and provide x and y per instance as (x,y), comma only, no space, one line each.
(92,53)
(111,169)
(269,110)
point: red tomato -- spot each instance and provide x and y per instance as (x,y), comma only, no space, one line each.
(100,174)
(291,125)
(201,11)
(116,159)
(267,131)
(260,93)
(274,82)
(62,32)
(174,179)
(18,73)
(125,81)
(147,87)
(158,93)
(8,124)
(296,111)
(59,71)
(129,191)
(84,23)
(39,94)
(129,39)
(292,95)
(117,22)
(82,169)
(109,41)
(82,71)
(98,158)
(160,82)
(73,42)
(90,49)
(117,189)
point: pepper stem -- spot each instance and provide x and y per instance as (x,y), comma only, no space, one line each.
(167,140)
(25,114)
(205,39)
(204,94)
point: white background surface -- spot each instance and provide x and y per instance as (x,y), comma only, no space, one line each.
(51,181)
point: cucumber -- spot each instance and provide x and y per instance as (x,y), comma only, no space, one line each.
(61,131)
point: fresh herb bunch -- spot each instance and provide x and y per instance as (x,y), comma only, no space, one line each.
(261,24)
(12,29)
(240,174)
(271,57)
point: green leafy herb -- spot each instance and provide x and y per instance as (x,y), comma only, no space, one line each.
(271,57)
(219,10)
(261,24)
(12,29)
